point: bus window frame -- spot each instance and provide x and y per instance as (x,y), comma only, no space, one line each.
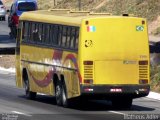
(55,35)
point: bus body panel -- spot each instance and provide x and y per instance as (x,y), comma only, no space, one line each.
(112,58)
(19,82)
(116,46)
(42,66)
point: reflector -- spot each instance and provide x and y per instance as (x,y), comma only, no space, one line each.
(88,62)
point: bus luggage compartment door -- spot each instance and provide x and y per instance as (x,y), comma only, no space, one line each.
(116,72)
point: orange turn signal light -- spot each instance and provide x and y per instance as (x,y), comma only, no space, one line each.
(145,62)
(88,62)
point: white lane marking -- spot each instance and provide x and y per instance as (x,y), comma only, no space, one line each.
(20,113)
(154,95)
(117,112)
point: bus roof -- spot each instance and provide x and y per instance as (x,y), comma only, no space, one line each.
(62,16)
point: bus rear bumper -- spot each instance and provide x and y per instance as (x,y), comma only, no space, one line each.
(110,91)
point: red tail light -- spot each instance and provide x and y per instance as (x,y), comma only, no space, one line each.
(145,62)
(143,81)
(88,81)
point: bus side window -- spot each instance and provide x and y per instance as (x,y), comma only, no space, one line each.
(30,32)
(51,34)
(33,30)
(68,37)
(60,35)
(54,34)
(64,36)
(23,30)
(26,31)
(35,33)
(72,38)
(76,38)
(40,33)
(47,34)
(19,32)
(43,34)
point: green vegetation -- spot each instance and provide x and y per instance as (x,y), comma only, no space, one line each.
(149,9)
(144,8)
(45,4)
(156,31)
(155,78)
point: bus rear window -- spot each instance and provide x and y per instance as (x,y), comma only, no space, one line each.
(26,6)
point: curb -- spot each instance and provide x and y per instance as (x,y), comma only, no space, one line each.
(154,95)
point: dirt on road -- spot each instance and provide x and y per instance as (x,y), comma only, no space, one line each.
(7,61)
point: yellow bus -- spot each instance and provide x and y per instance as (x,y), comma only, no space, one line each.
(82,55)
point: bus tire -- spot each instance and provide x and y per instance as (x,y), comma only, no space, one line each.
(4,18)
(29,94)
(65,100)
(124,103)
(58,93)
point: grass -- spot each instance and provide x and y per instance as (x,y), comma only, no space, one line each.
(143,8)
(155,78)
(156,32)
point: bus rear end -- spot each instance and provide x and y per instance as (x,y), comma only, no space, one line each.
(114,57)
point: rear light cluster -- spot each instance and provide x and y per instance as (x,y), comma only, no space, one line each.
(88,81)
(143,62)
(88,62)
(143,81)
(88,72)
(143,72)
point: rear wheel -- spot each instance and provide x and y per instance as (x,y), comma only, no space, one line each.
(124,103)
(58,93)
(65,100)
(4,18)
(29,94)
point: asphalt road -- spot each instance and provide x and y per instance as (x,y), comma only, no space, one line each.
(5,40)
(14,105)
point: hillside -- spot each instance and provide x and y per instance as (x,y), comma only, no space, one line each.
(149,9)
